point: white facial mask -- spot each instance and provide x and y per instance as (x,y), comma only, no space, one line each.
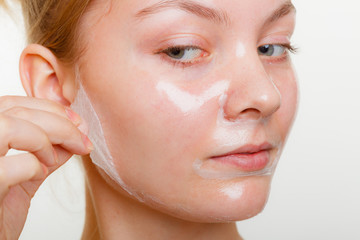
(226,134)
(188,102)
(234,191)
(240,50)
(100,155)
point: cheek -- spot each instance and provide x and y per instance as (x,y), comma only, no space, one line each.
(286,83)
(149,136)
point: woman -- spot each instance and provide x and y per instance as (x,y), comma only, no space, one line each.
(185,107)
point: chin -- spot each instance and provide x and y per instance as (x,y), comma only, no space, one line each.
(208,200)
(251,201)
(225,200)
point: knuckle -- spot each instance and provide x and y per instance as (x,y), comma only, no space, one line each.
(57,108)
(5,125)
(18,112)
(6,101)
(52,104)
(53,107)
(43,142)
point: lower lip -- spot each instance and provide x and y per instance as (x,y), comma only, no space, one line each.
(248,162)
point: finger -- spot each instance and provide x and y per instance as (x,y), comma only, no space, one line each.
(59,130)
(23,135)
(8,102)
(63,156)
(19,168)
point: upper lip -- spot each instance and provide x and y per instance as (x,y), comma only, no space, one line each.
(249,149)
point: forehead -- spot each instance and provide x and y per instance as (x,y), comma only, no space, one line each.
(220,10)
(132,16)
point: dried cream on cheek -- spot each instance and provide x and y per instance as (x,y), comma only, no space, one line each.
(188,102)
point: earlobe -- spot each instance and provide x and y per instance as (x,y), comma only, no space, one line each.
(42,75)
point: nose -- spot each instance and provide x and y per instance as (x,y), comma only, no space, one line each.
(252,93)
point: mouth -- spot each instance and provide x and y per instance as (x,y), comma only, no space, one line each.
(248,158)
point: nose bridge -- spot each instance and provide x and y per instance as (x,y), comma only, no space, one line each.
(252,92)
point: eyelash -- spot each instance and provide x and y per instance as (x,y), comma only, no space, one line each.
(165,54)
(292,49)
(289,48)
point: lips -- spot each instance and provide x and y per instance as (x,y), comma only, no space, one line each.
(248,158)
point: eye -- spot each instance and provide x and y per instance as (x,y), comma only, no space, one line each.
(184,54)
(272,50)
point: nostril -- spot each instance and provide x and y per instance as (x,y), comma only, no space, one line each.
(250,113)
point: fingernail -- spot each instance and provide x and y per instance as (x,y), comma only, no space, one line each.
(83,127)
(88,144)
(75,118)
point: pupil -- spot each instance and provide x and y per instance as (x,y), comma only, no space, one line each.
(177,53)
(267,50)
(264,49)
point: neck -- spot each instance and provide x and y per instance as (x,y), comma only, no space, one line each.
(113,215)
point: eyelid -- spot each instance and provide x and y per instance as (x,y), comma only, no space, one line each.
(275,38)
(182,47)
(278,36)
(183,40)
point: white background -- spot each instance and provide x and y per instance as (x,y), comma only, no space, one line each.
(316,189)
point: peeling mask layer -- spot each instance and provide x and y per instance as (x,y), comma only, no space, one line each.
(100,155)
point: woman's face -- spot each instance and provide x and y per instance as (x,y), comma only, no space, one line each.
(196,99)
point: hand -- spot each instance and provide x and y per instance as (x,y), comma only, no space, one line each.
(49,134)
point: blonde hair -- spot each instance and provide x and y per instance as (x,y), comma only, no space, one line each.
(53,24)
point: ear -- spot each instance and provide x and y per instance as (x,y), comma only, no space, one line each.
(44,76)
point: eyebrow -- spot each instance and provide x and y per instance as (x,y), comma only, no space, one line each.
(286,8)
(192,7)
(212,14)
